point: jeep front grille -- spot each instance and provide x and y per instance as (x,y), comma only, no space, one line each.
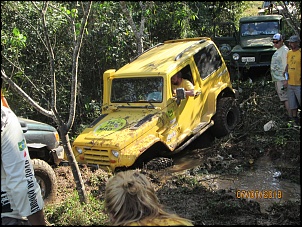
(266,58)
(97,156)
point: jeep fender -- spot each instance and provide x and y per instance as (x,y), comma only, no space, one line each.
(211,102)
(130,154)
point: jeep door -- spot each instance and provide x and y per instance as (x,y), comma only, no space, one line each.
(213,76)
(187,113)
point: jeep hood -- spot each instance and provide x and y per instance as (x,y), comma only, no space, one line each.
(256,42)
(119,130)
(31,125)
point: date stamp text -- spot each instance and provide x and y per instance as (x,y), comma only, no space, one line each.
(259,194)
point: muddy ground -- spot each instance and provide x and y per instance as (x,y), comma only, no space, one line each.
(180,190)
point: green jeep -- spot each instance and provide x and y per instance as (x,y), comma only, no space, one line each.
(247,53)
(45,151)
(142,120)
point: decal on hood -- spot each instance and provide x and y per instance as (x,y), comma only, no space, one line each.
(110,126)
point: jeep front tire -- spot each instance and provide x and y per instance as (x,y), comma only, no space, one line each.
(226,118)
(46,178)
(159,163)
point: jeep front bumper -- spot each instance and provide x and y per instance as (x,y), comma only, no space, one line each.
(58,154)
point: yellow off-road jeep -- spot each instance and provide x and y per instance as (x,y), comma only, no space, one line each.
(141,117)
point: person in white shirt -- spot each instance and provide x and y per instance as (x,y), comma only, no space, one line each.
(278,64)
(21,199)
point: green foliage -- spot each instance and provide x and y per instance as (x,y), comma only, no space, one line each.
(109,43)
(259,98)
(18,40)
(280,140)
(72,212)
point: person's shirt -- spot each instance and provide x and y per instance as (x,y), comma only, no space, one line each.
(160,222)
(20,192)
(278,63)
(186,84)
(294,67)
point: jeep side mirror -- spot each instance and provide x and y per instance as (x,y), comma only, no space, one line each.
(180,94)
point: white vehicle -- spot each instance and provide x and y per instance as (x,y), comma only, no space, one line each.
(272,7)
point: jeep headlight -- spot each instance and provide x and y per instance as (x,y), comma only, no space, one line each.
(115,153)
(236,57)
(79,150)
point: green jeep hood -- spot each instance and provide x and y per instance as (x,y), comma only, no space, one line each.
(248,42)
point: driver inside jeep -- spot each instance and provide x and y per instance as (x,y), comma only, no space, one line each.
(178,82)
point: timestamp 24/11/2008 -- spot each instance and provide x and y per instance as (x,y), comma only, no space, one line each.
(259,194)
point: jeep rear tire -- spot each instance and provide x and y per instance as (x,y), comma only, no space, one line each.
(226,118)
(46,178)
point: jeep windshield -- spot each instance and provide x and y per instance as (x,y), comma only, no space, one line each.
(137,90)
(259,28)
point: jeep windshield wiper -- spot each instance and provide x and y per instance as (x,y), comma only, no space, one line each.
(151,105)
(138,107)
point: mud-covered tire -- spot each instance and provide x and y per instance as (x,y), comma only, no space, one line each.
(159,163)
(226,118)
(46,178)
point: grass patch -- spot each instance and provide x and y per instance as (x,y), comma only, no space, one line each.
(72,212)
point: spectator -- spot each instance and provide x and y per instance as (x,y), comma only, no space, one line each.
(293,68)
(21,199)
(251,30)
(278,64)
(130,199)
(178,82)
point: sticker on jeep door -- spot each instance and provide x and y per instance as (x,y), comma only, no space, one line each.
(110,126)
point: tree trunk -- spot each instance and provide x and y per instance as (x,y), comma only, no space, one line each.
(74,166)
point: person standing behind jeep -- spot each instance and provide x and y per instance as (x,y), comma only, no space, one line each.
(179,82)
(293,68)
(21,199)
(278,64)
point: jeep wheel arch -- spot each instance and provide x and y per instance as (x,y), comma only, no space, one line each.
(46,178)
(226,118)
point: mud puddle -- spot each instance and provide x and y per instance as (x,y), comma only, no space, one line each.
(261,183)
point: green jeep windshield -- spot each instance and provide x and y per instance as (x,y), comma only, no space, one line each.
(138,89)
(259,28)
